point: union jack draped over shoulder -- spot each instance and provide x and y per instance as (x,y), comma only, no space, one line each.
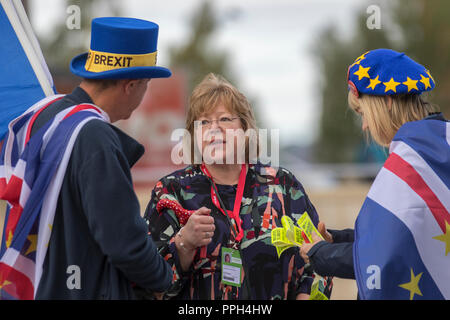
(32,170)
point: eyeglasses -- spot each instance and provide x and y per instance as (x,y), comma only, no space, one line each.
(223,122)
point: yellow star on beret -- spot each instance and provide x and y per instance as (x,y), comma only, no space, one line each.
(425,81)
(374,83)
(362,72)
(359,59)
(411,84)
(391,85)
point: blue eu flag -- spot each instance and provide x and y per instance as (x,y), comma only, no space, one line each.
(24,76)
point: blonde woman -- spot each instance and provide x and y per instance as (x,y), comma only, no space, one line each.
(402,234)
(222,207)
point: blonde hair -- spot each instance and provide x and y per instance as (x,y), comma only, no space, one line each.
(384,118)
(212,91)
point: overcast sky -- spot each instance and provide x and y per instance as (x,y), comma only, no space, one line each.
(270,43)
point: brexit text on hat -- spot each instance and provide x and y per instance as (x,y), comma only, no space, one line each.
(98,61)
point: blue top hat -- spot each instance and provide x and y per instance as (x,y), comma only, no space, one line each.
(387,72)
(121,48)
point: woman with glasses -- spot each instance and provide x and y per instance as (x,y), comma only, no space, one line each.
(212,221)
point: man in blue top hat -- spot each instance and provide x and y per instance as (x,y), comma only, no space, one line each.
(99,247)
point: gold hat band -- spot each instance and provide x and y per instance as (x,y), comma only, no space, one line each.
(98,61)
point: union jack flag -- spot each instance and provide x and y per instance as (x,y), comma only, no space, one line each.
(31,174)
(402,234)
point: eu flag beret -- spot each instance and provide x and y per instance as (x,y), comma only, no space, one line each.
(388,72)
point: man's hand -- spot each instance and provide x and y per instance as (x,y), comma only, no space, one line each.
(304,249)
(323,231)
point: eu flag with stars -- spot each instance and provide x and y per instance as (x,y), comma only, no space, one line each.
(402,234)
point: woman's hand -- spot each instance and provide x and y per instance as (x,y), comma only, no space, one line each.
(199,229)
(197,232)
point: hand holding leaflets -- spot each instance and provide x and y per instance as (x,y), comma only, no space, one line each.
(303,234)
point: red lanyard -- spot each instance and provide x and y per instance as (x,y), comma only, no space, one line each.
(237,201)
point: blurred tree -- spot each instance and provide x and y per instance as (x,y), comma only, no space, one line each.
(420,28)
(197,57)
(65,43)
(425,29)
(340,130)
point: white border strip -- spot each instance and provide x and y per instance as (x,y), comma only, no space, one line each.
(32,38)
(27,46)
(448,133)
(424,170)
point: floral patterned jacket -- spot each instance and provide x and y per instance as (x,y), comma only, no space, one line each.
(269,194)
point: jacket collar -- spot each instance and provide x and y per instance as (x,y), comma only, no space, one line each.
(132,149)
(78,96)
(435,116)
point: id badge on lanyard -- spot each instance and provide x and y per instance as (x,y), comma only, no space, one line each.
(231,267)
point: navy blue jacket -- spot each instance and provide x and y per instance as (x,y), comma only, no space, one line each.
(334,259)
(97,228)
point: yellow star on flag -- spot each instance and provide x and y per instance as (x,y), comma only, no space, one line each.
(411,84)
(374,83)
(413,285)
(4,283)
(9,240)
(445,238)
(33,243)
(391,85)
(425,81)
(362,72)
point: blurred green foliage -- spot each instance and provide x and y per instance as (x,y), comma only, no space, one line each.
(64,44)
(197,56)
